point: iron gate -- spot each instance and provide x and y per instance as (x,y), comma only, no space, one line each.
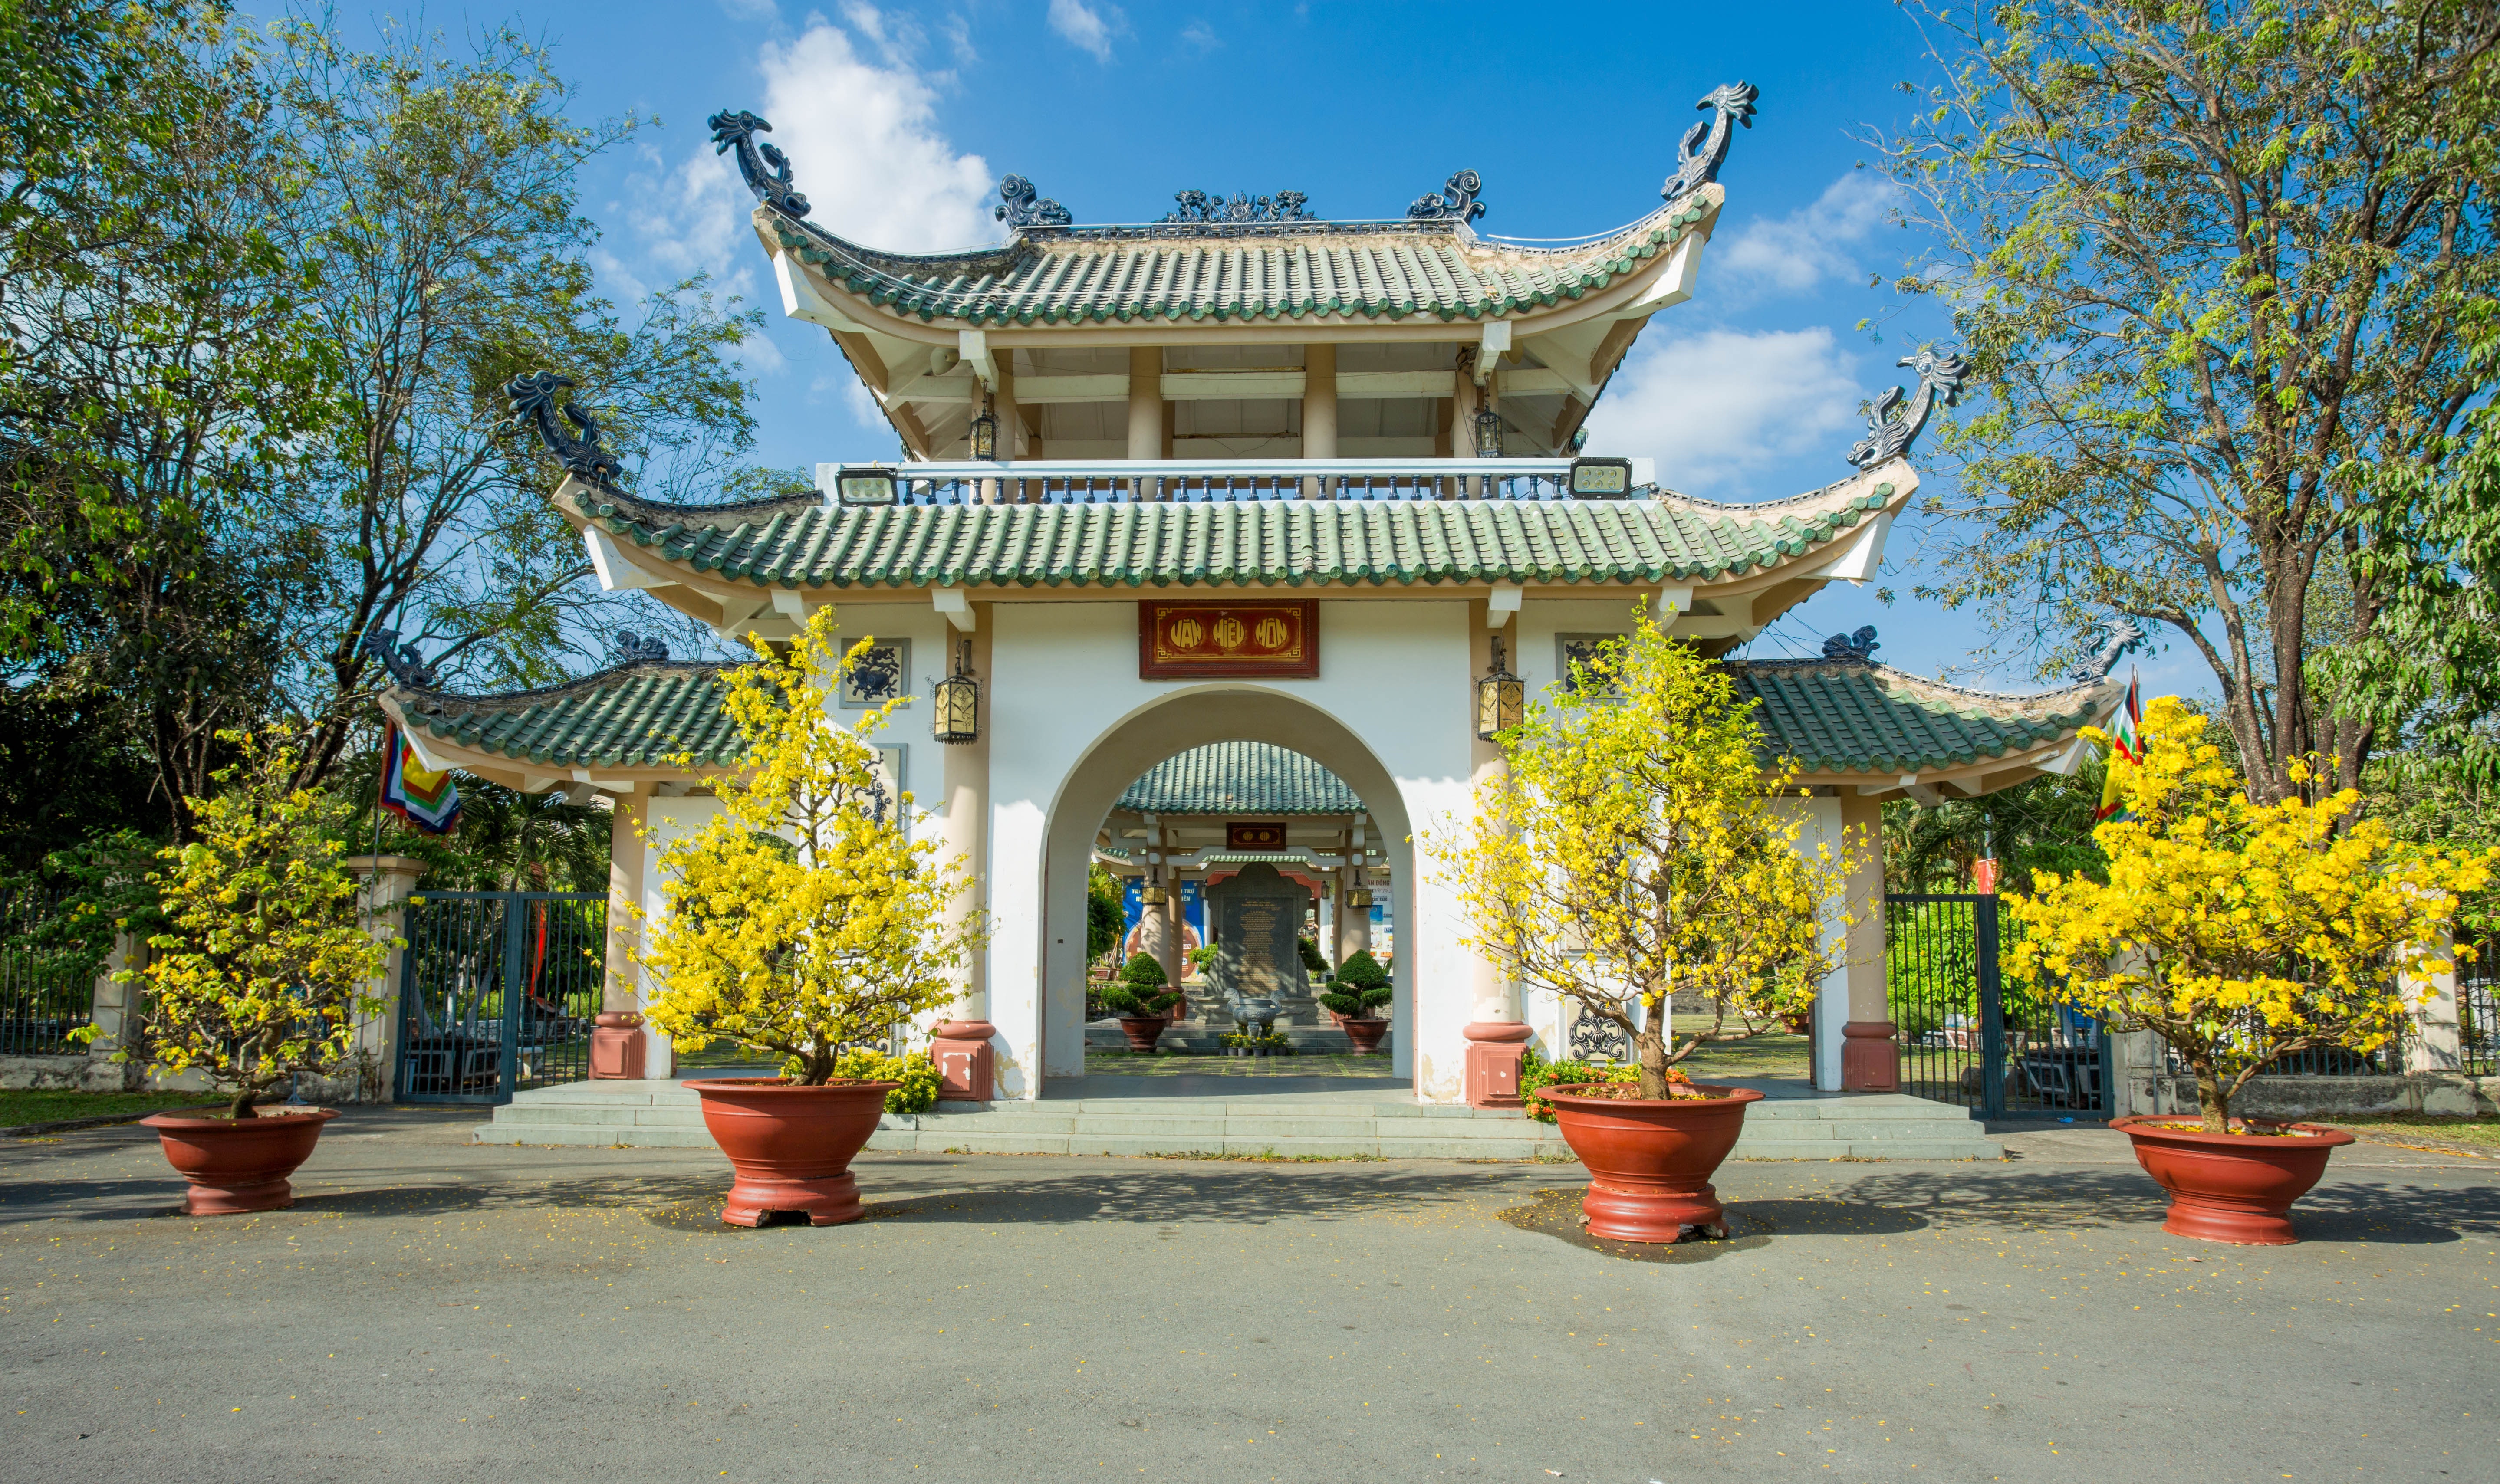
(1965,1037)
(497,992)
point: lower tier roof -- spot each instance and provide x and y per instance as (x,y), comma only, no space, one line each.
(1829,716)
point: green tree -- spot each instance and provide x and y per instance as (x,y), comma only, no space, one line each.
(2217,266)
(1106,919)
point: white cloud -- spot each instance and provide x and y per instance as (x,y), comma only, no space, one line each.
(1721,404)
(1796,251)
(959,39)
(1086,27)
(1200,35)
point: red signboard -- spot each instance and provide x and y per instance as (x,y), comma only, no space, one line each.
(1253,837)
(1191,640)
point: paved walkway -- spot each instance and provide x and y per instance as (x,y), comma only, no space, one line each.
(440,1311)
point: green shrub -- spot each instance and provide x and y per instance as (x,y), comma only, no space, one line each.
(1311,958)
(1536,1073)
(1360,986)
(1139,989)
(917,1074)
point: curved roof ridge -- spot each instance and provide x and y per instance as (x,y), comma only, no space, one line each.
(1927,685)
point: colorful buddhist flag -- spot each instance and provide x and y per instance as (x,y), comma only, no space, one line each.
(2127,746)
(414,791)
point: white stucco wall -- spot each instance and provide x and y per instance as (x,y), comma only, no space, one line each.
(1822,827)
(670,819)
(1068,714)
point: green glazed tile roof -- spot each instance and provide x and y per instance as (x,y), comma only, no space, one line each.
(1372,543)
(1850,717)
(1239,779)
(1832,717)
(1381,270)
(634,715)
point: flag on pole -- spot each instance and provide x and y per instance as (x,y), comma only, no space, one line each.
(2126,744)
(414,791)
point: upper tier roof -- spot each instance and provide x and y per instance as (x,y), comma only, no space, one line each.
(1365,271)
(802,544)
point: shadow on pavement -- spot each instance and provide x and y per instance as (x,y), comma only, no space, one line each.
(2081,1199)
(1751,1225)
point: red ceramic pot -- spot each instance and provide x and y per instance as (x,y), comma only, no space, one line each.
(1365,1034)
(1650,1160)
(791,1146)
(2231,1188)
(1143,1031)
(237,1164)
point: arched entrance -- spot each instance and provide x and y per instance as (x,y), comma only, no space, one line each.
(1172,723)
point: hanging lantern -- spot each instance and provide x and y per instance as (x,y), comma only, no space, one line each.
(985,435)
(1155,896)
(958,714)
(1358,897)
(1488,434)
(1501,698)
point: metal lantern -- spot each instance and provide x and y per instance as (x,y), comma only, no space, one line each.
(1155,896)
(1488,434)
(1501,698)
(958,717)
(1358,897)
(985,434)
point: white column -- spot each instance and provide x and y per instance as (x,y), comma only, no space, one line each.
(625,869)
(387,882)
(1319,408)
(669,818)
(2435,1045)
(1146,410)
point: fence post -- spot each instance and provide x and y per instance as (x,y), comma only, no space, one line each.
(111,1012)
(2433,1044)
(387,880)
(1992,1009)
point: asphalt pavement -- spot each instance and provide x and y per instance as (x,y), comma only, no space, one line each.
(440,1311)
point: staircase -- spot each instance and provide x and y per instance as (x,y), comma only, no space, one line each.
(661,1115)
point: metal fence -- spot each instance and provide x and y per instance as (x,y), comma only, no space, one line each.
(1967,1037)
(2477,1013)
(46,991)
(498,992)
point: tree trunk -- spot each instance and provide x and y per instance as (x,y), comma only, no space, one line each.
(239,1104)
(1650,1043)
(2212,1102)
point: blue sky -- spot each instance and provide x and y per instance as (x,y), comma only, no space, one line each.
(901,118)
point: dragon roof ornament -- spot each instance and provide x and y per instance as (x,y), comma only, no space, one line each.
(766,168)
(408,668)
(1021,206)
(1705,144)
(533,399)
(1454,202)
(1890,428)
(2122,636)
(1859,646)
(1216,207)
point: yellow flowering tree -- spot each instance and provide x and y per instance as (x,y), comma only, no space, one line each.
(804,919)
(1631,848)
(2240,933)
(265,964)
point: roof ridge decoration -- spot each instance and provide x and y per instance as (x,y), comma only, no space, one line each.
(1859,646)
(1455,201)
(1911,680)
(1214,206)
(408,668)
(1890,431)
(1705,144)
(766,169)
(1021,206)
(635,649)
(2122,636)
(449,702)
(533,400)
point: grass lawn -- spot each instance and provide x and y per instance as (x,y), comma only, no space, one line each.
(20,1106)
(1781,1056)
(1102,1063)
(2476,1135)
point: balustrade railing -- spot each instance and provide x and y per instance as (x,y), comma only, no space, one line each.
(1072,482)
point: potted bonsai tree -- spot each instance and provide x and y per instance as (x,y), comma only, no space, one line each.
(1631,848)
(1360,986)
(260,976)
(2239,933)
(1139,996)
(803,920)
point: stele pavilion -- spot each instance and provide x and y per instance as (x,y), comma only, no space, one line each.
(1218,547)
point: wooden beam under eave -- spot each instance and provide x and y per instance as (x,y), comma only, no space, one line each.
(1575,412)
(1613,348)
(864,357)
(1780,597)
(916,435)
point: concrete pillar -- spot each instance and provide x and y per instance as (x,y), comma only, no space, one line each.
(387,882)
(1146,412)
(961,1042)
(110,1010)
(2435,1045)
(1496,1036)
(1319,411)
(1011,426)
(619,1047)
(1870,1051)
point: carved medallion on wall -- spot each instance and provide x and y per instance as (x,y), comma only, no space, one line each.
(1201,639)
(1253,837)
